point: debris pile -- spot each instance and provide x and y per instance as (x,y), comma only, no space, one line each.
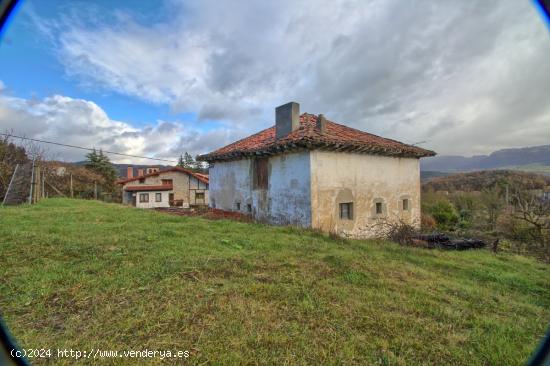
(442,241)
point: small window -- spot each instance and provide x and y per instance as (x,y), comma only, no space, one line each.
(166,181)
(238,206)
(406,204)
(249,208)
(378,208)
(346,211)
(144,197)
(199,196)
(142,180)
(158,197)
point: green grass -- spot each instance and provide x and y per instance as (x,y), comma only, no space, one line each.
(82,274)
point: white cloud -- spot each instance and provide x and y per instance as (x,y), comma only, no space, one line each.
(83,123)
(469,77)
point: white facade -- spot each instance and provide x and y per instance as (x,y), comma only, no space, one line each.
(184,190)
(307,189)
(151,201)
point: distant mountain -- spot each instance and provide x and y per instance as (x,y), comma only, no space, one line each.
(533,159)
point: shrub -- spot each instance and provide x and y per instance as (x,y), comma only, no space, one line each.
(444,214)
(401,233)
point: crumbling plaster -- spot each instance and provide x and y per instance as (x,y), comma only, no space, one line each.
(287,200)
(306,188)
(364,180)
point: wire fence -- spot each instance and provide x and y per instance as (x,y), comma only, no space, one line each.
(30,182)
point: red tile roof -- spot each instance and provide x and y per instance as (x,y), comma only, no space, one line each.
(162,187)
(336,137)
(202,177)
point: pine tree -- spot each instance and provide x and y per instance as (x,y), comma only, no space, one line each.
(181,163)
(188,161)
(100,163)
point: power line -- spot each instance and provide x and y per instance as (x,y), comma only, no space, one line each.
(86,148)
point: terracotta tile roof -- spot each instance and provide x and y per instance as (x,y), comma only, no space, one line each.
(162,187)
(202,177)
(336,137)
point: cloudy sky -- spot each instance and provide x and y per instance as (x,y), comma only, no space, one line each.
(160,78)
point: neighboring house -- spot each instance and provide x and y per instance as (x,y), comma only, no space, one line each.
(166,188)
(311,172)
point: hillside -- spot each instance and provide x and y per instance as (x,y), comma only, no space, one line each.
(84,274)
(536,159)
(477,181)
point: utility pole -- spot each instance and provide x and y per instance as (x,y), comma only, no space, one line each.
(72,196)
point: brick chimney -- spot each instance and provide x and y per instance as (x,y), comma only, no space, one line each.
(287,119)
(140,172)
(321,123)
(130,172)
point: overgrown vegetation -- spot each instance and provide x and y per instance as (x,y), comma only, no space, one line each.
(512,207)
(10,156)
(86,274)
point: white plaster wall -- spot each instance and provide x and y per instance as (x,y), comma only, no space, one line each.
(287,199)
(289,192)
(361,179)
(152,203)
(230,182)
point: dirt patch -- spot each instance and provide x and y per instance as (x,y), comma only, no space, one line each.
(207,213)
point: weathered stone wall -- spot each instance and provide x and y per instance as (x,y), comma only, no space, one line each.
(363,180)
(230,182)
(289,194)
(287,199)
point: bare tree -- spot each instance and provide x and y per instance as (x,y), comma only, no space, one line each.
(534,210)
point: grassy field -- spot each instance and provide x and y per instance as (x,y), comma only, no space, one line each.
(82,275)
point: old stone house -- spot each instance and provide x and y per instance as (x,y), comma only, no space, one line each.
(173,187)
(311,172)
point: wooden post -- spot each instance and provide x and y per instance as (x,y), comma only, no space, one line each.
(95,190)
(72,196)
(37,184)
(32,182)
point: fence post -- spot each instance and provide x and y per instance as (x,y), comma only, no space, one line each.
(43,189)
(72,185)
(95,190)
(32,182)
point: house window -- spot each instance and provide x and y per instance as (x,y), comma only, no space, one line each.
(158,197)
(346,211)
(144,197)
(260,178)
(238,206)
(142,180)
(249,208)
(166,181)
(406,204)
(199,196)
(379,208)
